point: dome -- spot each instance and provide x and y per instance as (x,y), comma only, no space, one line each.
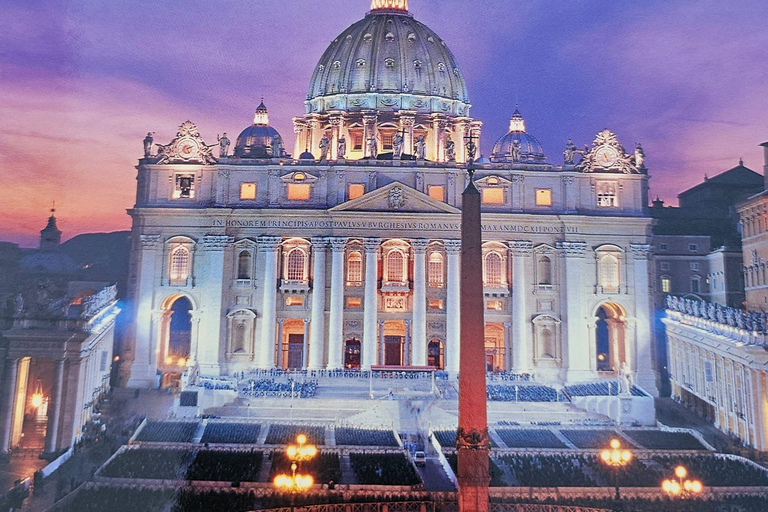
(518,146)
(259,140)
(388,61)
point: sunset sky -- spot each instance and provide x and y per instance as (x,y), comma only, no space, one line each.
(82,82)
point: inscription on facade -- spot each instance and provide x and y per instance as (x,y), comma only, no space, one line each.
(401,225)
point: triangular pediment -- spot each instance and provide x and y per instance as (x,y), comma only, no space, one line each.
(395,198)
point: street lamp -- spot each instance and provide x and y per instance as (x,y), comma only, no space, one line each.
(296,482)
(616,458)
(680,486)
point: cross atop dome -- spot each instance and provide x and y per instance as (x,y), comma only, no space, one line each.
(390,5)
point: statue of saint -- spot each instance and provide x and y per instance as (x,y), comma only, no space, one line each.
(19,304)
(625,388)
(223,145)
(325,144)
(450,150)
(397,145)
(569,153)
(515,151)
(421,148)
(639,156)
(148,141)
(373,146)
(342,147)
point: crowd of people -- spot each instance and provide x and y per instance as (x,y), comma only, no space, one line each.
(231,433)
(167,432)
(525,393)
(604,388)
(714,470)
(546,470)
(383,469)
(529,438)
(348,436)
(509,376)
(273,388)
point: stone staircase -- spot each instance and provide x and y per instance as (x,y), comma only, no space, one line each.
(348,476)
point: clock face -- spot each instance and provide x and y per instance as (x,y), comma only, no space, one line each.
(187,148)
(606,156)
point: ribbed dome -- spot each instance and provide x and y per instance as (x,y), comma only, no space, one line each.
(259,140)
(390,54)
(528,148)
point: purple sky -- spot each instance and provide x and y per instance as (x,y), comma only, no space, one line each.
(82,82)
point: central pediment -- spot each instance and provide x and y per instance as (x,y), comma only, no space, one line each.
(395,198)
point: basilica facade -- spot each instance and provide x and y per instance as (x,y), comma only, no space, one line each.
(345,254)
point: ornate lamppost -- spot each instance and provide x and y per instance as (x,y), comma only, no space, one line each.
(616,458)
(680,486)
(296,482)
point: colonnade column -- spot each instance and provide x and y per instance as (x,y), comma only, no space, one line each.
(268,247)
(317,324)
(521,355)
(52,431)
(576,322)
(142,372)
(419,340)
(453,307)
(371,306)
(12,373)
(646,377)
(336,317)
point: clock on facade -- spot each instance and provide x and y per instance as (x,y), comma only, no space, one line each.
(187,148)
(606,156)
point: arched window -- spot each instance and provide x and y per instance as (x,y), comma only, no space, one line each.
(179,265)
(355,268)
(296,260)
(395,267)
(545,271)
(435,269)
(239,342)
(609,273)
(244,265)
(493,268)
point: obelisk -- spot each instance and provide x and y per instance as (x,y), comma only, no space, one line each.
(472,441)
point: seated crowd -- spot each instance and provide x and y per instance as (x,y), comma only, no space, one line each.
(168,432)
(545,471)
(383,469)
(286,434)
(529,438)
(603,388)
(526,393)
(231,433)
(346,436)
(272,388)
(716,471)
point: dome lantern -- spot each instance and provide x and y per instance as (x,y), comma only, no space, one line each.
(517,123)
(390,5)
(261,117)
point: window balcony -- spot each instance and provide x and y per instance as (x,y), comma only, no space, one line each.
(294,286)
(496,290)
(243,283)
(395,287)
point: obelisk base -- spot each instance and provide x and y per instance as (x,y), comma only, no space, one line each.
(474,479)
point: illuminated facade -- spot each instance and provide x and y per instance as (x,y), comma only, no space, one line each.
(346,255)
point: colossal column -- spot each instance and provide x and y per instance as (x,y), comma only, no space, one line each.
(472,440)
(51,437)
(336,317)
(317,323)
(576,322)
(521,353)
(211,281)
(419,339)
(268,248)
(646,377)
(141,367)
(12,373)
(452,307)
(371,306)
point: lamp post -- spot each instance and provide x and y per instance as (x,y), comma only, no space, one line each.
(616,458)
(296,482)
(680,486)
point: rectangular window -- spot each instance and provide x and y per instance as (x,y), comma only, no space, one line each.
(435,304)
(694,266)
(664,265)
(695,285)
(543,197)
(493,196)
(354,302)
(436,192)
(184,186)
(103,365)
(387,139)
(356,190)
(693,247)
(294,301)
(494,305)
(247,191)
(357,140)
(666,285)
(606,195)
(298,191)
(662,247)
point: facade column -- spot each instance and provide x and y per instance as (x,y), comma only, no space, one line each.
(646,378)
(52,431)
(453,307)
(268,246)
(281,363)
(194,337)
(521,341)
(336,127)
(407,121)
(142,371)
(317,325)
(222,187)
(211,282)
(299,129)
(382,346)
(576,322)
(408,361)
(305,350)
(508,340)
(419,342)
(336,317)
(12,373)
(371,306)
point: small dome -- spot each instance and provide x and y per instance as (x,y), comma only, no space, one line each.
(259,140)
(518,146)
(306,156)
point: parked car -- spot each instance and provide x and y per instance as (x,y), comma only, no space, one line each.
(420,458)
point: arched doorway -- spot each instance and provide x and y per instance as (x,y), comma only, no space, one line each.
(291,356)
(610,338)
(352,354)
(392,345)
(435,354)
(494,348)
(177,339)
